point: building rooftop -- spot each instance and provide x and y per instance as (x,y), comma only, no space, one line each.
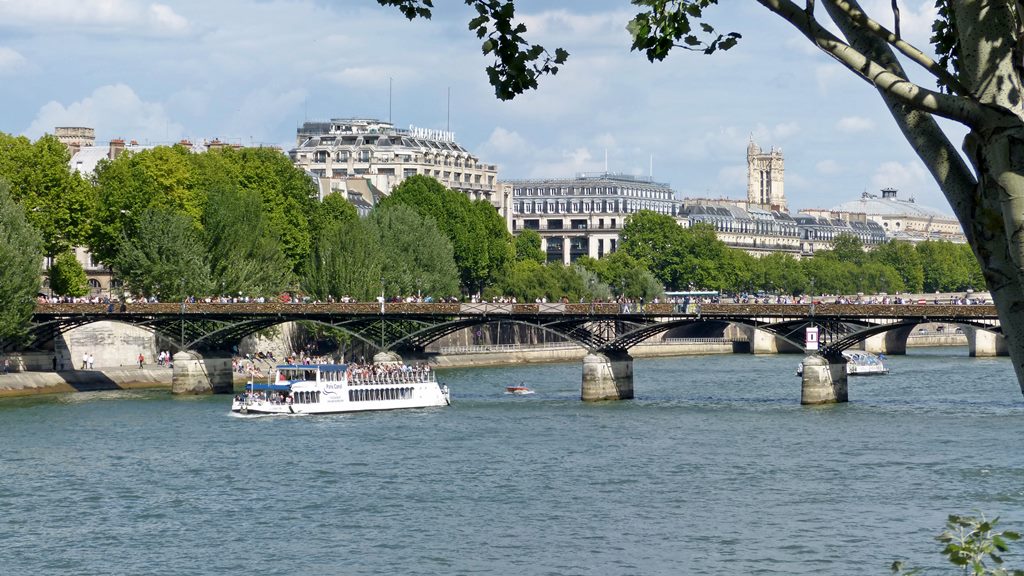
(607,177)
(889,205)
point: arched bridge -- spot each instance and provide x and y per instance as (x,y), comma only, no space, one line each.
(598,327)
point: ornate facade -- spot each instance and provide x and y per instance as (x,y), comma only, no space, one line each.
(376,151)
(765,176)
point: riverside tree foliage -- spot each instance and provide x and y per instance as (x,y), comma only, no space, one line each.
(22,257)
(163,254)
(345,260)
(67,277)
(419,258)
(173,179)
(58,201)
(481,243)
(978,83)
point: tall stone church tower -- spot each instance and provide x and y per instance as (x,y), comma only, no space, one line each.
(764,178)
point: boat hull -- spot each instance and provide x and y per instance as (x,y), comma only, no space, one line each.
(266,408)
(337,389)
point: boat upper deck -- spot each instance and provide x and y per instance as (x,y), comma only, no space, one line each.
(354,374)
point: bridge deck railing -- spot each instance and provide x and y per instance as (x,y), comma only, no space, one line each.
(574,309)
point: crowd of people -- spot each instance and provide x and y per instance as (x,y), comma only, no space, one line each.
(867,299)
(359,374)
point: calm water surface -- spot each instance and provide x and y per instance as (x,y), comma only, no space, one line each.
(715,467)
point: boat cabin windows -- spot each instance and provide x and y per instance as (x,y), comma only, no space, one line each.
(309,397)
(376,394)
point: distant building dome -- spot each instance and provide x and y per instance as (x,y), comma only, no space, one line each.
(889,205)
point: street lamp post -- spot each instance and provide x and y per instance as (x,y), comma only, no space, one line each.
(182,315)
(812,297)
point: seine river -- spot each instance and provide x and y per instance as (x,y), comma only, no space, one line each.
(715,467)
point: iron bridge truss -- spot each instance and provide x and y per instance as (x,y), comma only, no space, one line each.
(597,330)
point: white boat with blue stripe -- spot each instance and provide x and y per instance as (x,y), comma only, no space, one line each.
(336,388)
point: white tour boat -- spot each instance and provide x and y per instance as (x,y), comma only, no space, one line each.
(858,364)
(864,364)
(334,388)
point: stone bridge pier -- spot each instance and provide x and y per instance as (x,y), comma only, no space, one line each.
(891,343)
(765,342)
(984,343)
(202,373)
(823,380)
(607,376)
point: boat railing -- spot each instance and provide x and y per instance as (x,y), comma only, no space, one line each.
(390,378)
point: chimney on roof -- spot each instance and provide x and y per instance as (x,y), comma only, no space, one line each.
(134,143)
(116,148)
(184,142)
(889,193)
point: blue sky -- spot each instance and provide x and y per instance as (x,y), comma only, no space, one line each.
(251,71)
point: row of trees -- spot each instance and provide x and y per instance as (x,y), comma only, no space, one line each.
(687,258)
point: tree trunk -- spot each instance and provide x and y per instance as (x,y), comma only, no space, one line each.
(996,227)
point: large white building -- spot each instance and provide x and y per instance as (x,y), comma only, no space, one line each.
(343,149)
(583,216)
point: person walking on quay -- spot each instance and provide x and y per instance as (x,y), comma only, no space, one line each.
(91,361)
(142,360)
(6,366)
(85,360)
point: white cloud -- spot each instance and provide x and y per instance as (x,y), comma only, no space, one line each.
(827,74)
(10,60)
(130,16)
(258,113)
(829,167)
(164,18)
(725,140)
(607,141)
(606,28)
(572,162)
(784,130)
(854,124)
(733,178)
(909,178)
(504,142)
(115,111)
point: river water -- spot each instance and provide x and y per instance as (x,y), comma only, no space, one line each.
(714,467)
